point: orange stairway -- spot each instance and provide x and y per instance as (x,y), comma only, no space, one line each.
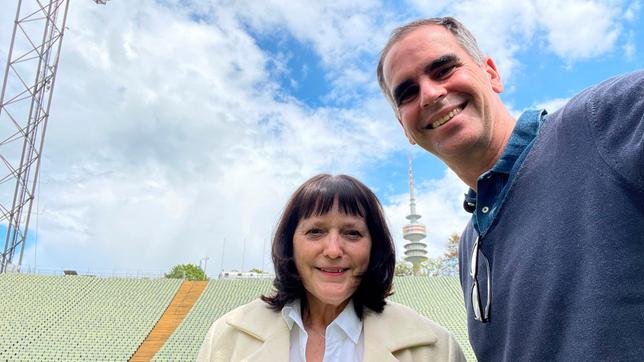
(186,296)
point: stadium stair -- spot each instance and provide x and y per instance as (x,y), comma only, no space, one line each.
(181,304)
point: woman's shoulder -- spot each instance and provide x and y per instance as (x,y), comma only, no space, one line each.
(405,313)
(243,328)
(411,336)
(253,312)
(397,316)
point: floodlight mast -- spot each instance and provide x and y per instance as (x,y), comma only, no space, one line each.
(24,112)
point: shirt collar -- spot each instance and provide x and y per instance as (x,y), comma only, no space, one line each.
(292,314)
(347,321)
(524,132)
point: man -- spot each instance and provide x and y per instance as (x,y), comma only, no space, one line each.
(552,261)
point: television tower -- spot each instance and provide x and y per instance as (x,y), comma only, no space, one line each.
(414,232)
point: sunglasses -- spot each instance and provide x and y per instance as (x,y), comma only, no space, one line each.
(480,314)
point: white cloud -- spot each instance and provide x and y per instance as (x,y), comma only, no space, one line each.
(431,8)
(579,29)
(573,30)
(167,137)
(345,35)
(632,11)
(337,30)
(551,105)
(630,48)
(501,28)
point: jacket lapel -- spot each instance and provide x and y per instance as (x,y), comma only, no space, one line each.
(276,348)
(377,351)
(393,331)
(268,327)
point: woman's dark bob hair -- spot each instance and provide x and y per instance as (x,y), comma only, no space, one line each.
(316,197)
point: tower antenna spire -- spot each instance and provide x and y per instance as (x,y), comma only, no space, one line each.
(414,232)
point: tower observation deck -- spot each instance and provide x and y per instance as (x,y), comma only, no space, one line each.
(414,232)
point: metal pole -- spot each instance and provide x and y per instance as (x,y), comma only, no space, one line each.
(4,88)
(33,130)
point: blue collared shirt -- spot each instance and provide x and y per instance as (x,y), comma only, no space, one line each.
(492,185)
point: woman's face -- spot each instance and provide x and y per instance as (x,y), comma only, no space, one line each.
(331,251)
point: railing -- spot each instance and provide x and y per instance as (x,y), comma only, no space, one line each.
(99,273)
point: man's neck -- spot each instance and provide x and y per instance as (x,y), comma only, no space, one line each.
(473,165)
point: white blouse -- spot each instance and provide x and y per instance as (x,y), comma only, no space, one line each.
(344,339)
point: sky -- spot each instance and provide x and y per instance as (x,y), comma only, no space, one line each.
(179,128)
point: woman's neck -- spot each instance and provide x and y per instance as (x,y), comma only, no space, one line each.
(318,315)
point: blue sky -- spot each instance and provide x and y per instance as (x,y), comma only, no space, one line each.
(179,128)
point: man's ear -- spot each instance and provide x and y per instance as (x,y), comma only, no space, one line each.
(495,77)
(409,138)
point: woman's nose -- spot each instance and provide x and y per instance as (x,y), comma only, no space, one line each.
(333,246)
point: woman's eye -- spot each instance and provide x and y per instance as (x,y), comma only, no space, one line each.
(353,234)
(314,232)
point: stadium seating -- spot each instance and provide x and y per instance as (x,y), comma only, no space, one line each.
(78,318)
(219,297)
(439,299)
(84,318)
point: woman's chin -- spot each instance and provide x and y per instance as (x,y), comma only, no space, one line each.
(333,298)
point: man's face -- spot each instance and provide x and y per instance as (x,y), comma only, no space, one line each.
(446,102)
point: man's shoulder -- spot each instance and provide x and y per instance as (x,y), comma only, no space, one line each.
(610,96)
(622,82)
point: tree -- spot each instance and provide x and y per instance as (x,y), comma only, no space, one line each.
(450,258)
(445,265)
(186,271)
(403,268)
(432,267)
(257,271)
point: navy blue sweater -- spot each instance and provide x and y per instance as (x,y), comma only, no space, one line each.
(566,245)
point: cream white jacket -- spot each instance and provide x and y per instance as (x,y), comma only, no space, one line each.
(254,333)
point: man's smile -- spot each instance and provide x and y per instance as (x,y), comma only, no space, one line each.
(446,118)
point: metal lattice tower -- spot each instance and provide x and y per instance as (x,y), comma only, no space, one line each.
(27,89)
(414,232)
(24,110)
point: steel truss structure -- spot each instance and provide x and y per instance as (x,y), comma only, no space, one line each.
(25,100)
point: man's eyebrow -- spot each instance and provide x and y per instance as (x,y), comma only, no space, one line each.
(440,62)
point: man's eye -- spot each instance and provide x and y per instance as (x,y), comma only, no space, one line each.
(407,94)
(444,71)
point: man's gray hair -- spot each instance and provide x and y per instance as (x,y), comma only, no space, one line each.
(463,36)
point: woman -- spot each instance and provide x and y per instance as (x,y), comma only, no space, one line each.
(334,264)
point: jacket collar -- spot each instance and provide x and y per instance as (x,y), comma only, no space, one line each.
(383,338)
(269,328)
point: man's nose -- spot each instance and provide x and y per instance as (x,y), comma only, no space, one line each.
(430,92)
(333,246)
